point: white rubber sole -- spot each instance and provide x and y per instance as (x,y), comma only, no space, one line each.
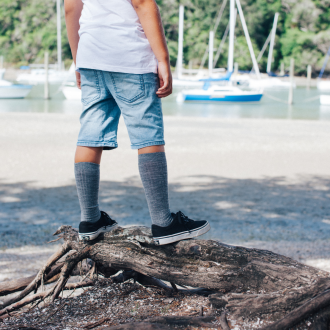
(183,235)
(93,235)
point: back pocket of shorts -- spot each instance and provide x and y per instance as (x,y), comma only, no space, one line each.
(90,86)
(129,87)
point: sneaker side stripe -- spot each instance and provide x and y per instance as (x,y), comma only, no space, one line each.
(182,232)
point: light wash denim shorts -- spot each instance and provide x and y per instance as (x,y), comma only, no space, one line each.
(105,95)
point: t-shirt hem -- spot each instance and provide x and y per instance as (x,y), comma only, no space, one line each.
(111,68)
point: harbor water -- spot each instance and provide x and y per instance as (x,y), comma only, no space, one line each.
(306,105)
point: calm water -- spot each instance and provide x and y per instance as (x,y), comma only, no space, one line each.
(306,106)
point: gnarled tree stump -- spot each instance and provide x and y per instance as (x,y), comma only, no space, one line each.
(245,282)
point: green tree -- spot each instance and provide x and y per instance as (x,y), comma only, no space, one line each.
(28,28)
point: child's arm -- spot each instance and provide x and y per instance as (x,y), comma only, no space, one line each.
(73,10)
(149,16)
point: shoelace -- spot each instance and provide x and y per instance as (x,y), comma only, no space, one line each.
(184,220)
(107,216)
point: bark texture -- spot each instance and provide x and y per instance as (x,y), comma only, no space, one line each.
(245,282)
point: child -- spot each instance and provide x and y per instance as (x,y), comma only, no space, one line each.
(123,67)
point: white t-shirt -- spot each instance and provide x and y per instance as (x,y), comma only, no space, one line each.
(112,38)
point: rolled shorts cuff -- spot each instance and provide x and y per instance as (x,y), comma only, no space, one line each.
(147,144)
(105,145)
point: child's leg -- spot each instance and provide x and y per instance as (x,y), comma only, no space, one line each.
(153,172)
(87,173)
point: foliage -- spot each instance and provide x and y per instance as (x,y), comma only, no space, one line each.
(28,28)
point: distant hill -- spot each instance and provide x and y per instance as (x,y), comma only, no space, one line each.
(28,28)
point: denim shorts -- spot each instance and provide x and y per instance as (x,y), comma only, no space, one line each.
(105,95)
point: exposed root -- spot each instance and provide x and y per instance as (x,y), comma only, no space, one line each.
(223,321)
(244,281)
(43,295)
(69,265)
(53,275)
(37,280)
(312,306)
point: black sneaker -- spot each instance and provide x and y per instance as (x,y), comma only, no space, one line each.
(90,230)
(180,228)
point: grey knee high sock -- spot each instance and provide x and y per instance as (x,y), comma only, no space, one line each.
(88,181)
(153,172)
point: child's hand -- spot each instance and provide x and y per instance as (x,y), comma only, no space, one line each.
(165,79)
(78,80)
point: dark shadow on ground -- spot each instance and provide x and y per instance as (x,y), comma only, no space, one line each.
(239,210)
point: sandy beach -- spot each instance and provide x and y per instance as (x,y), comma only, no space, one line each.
(260,183)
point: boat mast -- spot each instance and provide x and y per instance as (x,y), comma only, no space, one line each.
(272,42)
(324,64)
(180,46)
(59,37)
(211,40)
(231,36)
(248,40)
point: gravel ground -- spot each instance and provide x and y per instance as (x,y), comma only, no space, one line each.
(260,183)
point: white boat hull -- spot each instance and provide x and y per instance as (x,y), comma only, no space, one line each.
(325,99)
(187,83)
(323,85)
(263,83)
(39,77)
(14,91)
(71,93)
(220,94)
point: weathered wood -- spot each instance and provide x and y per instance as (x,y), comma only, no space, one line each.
(37,280)
(322,322)
(197,263)
(168,322)
(299,314)
(248,282)
(140,326)
(19,284)
(15,285)
(223,321)
(252,305)
(70,264)
(42,295)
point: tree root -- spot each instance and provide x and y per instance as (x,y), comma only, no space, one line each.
(223,321)
(37,280)
(42,296)
(247,282)
(165,322)
(299,314)
(68,267)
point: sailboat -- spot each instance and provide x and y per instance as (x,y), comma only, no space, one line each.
(55,76)
(272,81)
(216,93)
(228,93)
(8,90)
(180,81)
